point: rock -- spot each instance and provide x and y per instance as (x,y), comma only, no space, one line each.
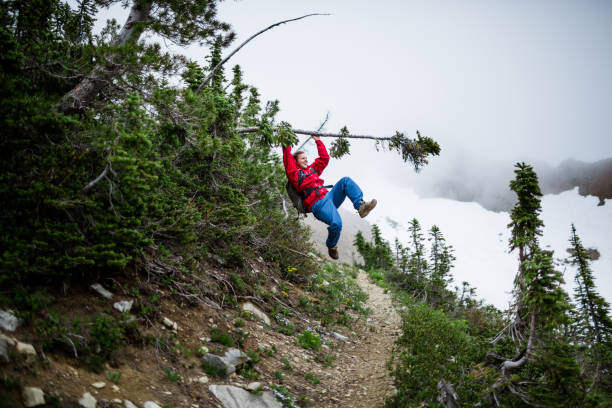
(26,349)
(254,386)
(339,336)
(32,396)
(232,358)
(203,379)
(235,397)
(9,340)
(128,404)
(170,324)
(251,308)
(87,401)
(101,291)
(151,404)
(8,321)
(4,346)
(116,401)
(99,385)
(124,306)
(115,388)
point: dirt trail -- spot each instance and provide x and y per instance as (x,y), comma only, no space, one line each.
(363,381)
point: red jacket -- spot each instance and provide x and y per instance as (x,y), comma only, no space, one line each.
(312,174)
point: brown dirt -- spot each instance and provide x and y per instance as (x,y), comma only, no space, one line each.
(358,377)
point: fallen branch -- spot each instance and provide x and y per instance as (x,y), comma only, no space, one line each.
(220,64)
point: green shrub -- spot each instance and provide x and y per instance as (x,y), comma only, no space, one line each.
(309,340)
(172,375)
(433,347)
(213,370)
(219,336)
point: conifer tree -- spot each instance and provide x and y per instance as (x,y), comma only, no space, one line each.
(417,262)
(594,309)
(441,262)
(593,320)
(528,370)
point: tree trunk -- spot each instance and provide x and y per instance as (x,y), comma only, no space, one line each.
(81,95)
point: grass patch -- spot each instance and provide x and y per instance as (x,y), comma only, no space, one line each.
(214,370)
(220,337)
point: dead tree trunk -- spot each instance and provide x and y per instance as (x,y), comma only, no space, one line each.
(81,95)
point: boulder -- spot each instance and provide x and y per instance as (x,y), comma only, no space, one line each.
(170,324)
(124,306)
(232,358)
(101,291)
(254,386)
(32,396)
(26,350)
(8,321)
(235,397)
(88,401)
(251,308)
(339,336)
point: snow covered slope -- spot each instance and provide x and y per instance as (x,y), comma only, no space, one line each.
(480,237)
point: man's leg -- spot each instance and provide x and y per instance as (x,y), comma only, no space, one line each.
(346,187)
(325,210)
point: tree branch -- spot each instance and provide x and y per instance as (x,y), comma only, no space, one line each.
(318,130)
(315,133)
(97,179)
(219,65)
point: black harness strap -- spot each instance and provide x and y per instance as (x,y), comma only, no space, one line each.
(309,190)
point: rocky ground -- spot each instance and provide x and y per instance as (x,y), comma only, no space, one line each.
(364,380)
(348,371)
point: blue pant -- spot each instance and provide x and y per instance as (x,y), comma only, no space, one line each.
(326,209)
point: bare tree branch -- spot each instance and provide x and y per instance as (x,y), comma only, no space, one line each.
(97,179)
(219,65)
(316,133)
(318,130)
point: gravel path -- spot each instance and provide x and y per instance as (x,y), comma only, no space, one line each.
(363,380)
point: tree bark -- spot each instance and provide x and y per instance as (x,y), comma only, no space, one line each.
(81,95)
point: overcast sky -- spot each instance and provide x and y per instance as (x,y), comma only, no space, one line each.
(510,80)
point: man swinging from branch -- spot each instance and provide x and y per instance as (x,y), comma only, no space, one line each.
(323,203)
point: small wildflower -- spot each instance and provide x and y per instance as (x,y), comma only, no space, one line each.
(284,293)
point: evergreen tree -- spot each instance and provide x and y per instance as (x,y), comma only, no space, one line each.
(441,262)
(594,326)
(595,310)
(528,371)
(417,261)
(377,254)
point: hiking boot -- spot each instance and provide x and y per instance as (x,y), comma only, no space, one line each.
(333,252)
(366,207)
